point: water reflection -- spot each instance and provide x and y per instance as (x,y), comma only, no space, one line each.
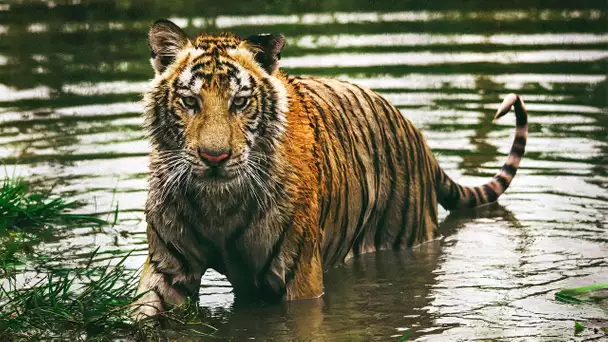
(428,58)
(394,40)
(395,286)
(401,289)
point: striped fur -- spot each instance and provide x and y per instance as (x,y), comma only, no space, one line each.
(454,196)
(319,170)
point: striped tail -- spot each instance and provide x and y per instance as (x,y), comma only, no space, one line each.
(451,195)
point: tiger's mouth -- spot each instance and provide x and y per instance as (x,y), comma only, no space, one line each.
(215,175)
(237,172)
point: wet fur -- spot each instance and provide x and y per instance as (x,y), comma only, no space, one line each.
(330,170)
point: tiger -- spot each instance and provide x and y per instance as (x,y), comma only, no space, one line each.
(272,179)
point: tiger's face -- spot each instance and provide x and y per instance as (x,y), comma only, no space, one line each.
(217,110)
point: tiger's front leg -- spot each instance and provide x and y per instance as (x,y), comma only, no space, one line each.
(302,253)
(307,281)
(169,279)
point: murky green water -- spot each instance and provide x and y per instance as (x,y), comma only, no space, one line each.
(71,78)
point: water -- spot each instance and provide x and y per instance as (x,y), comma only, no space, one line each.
(71,76)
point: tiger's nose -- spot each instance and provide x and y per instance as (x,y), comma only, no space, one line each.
(213,157)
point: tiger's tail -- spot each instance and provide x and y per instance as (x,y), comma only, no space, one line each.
(452,195)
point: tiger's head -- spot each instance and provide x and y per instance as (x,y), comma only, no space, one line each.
(216,111)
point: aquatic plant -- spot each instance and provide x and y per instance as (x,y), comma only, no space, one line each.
(35,211)
(29,216)
(39,301)
(590,293)
(92,303)
(75,302)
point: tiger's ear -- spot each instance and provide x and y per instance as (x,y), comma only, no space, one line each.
(166,40)
(268,50)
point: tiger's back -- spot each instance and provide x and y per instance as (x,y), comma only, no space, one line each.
(377,172)
(380,182)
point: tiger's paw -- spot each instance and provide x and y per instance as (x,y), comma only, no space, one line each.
(148,306)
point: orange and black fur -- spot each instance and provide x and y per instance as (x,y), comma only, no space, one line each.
(271,179)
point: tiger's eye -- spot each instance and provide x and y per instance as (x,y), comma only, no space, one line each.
(189,102)
(240,102)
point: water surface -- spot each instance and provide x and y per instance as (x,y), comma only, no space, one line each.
(71,78)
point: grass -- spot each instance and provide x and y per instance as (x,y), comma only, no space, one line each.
(89,302)
(29,217)
(92,302)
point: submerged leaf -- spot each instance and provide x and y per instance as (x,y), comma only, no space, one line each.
(578,327)
(590,293)
(405,336)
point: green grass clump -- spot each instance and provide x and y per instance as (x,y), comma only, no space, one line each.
(30,211)
(28,217)
(92,303)
(88,304)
